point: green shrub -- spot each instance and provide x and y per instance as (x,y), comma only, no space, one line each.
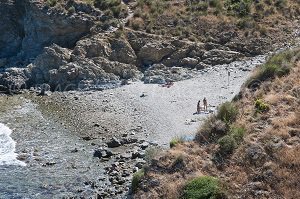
(51,3)
(278,65)
(204,187)
(215,3)
(136,179)
(176,141)
(227,112)
(241,8)
(201,6)
(261,106)
(227,144)
(280,3)
(237,133)
(71,10)
(106,4)
(211,130)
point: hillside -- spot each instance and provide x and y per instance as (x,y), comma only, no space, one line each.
(250,148)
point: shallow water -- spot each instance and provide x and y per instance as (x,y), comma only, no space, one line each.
(58,163)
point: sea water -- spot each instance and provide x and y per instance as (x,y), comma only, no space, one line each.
(7,148)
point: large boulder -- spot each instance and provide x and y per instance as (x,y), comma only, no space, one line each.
(122,52)
(215,56)
(79,74)
(15,78)
(154,52)
(97,46)
(52,58)
(124,71)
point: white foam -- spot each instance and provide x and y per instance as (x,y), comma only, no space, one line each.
(7,148)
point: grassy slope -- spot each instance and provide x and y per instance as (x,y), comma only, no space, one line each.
(206,20)
(265,164)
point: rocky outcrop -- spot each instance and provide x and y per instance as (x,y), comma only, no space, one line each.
(154,52)
(15,78)
(52,57)
(28,26)
(215,56)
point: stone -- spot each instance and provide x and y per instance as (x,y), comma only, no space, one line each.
(154,52)
(144,145)
(122,52)
(189,62)
(140,163)
(114,142)
(129,140)
(215,56)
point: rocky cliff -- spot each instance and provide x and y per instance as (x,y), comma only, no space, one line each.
(68,46)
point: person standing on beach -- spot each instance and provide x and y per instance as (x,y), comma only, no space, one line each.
(198,107)
(205,104)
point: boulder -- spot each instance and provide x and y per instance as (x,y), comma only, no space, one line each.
(79,74)
(215,56)
(154,52)
(124,71)
(51,58)
(189,62)
(15,78)
(114,142)
(122,52)
(97,46)
(103,153)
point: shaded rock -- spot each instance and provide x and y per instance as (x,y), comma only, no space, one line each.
(114,142)
(103,153)
(3,62)
(129,140)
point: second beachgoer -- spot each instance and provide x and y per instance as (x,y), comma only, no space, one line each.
(205,104)
(198,107)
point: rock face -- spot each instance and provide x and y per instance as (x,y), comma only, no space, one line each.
(11,31)
(28,26)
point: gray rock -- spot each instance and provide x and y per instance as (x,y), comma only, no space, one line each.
(122,52)
(140,163)
(216,56)
(114,142)
(28,26)
(144,145)
(189,62)
(154,52)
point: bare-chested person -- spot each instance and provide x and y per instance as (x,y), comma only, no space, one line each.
(205,104)
(198,107)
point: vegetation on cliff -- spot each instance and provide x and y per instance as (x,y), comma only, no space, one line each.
(251,146)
